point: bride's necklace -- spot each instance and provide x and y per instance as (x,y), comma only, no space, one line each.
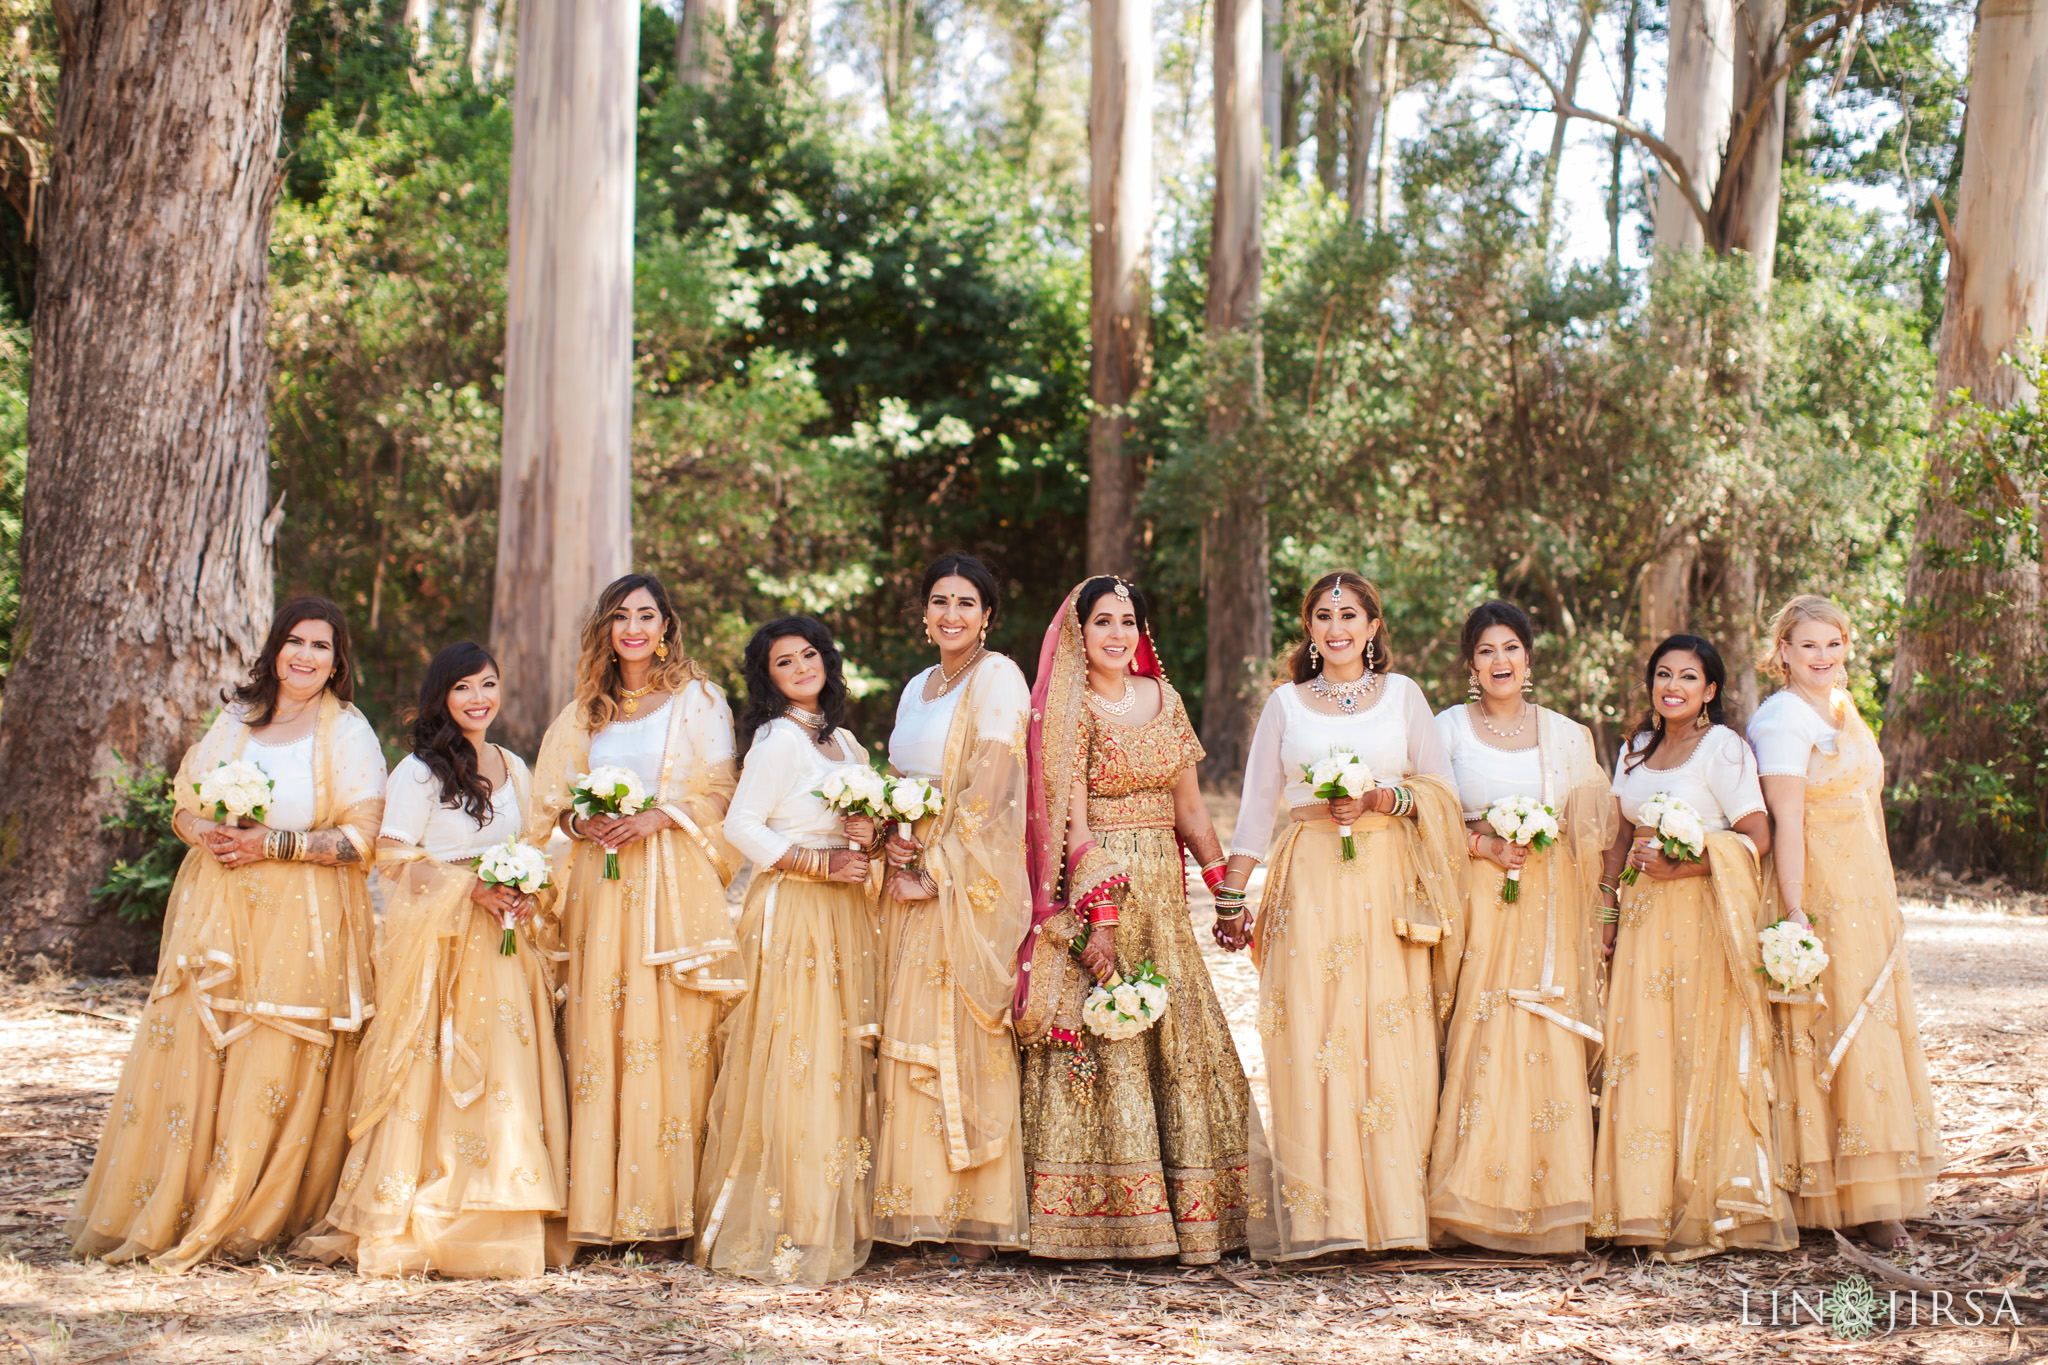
(629,701)
(810,720)
(1123,704)
(1346,695)
(1480,712)
(946,680)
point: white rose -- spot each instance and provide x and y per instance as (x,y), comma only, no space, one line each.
(1355,779)
(1128,1001)
(833,787)
(1153,997)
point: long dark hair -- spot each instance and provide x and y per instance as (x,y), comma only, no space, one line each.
(598,680)
(1303,664)
(765,700)
(1651,723)
(257,697)
(956,565)
(438,741)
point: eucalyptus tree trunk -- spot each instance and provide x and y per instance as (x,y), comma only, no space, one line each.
(1699,97)
(1365,112)
(701,32)
(564,501)
(476,40)
(1235,572)
(1547,203)
(146,572)
(1120,303)
(1629,26)
(1274,19)
(508,28)
(1329,113)
(1747,220)
(1390,68)
(1997,293)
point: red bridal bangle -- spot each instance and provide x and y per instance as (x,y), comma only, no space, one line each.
(1213,876)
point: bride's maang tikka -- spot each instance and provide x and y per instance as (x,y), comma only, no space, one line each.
(1337,593)
(1123,590)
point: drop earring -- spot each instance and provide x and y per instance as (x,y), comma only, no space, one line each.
(1700,721)
(1472,686)
(1529,682)
(661,649)
(1314,655)
(928,634)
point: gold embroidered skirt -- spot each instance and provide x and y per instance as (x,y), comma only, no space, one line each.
(464,1174)
(223,1140)
(1684,1162)
(1859,1138)
(1512,1164)
(1151,1157)
(785,1190)
(638,1051)
(1347,1019)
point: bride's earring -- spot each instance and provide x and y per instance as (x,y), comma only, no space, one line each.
(1472,686)
(1529,682)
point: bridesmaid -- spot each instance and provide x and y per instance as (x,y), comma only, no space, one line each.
(783,1196)
(1141,1146)
(652,960)
(951,1160)
(1684,1161)
(1348,1009)
(1860,1140)
(460,1131)
(229,1122)
(1515,1171)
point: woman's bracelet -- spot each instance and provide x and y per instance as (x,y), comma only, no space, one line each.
(284,845)
(1607,914)
(1213,874)
(1404,802)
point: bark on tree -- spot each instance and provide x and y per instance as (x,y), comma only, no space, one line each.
(146,573)
(1547,204)
(1699,96)
(476,34)
(701,32)
(564,503)
(417,20)
(1120,303)
(1329,113)
(1235,571)
(1997,291)
(1365,112)
(508,29)
(1390,67)
(1274,16)
(1631,21)
(1747,219)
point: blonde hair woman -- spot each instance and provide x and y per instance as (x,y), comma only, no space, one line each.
(1858,1132)
(231,1116)
(651,955)
(1514,1171)
(1356,956)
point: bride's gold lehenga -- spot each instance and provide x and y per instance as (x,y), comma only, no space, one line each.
(1859,1140)
(652,966)
(230,1119)
(1151,1155)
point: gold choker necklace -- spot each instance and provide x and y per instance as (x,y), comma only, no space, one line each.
(629,701)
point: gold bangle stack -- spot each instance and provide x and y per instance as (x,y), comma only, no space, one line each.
(815,863)
(284,845)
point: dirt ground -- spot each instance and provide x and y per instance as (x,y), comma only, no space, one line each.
(1981,967)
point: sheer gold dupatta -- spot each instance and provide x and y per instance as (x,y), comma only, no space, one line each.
(219,921)
(974,854)
(428,912)
(691,937)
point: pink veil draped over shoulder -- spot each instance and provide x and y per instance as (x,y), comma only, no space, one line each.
(1058,756)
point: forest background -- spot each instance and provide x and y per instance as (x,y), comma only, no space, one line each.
(862,310)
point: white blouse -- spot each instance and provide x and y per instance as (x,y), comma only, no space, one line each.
(1786,731)
(1718,780)
(1486,772)
(917,746)
(773,809)
(415,814)
(639,743)
(1396,737)
(357,772)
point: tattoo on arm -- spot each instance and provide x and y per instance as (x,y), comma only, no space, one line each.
(331,847)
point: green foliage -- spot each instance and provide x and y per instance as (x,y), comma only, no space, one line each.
(140,888)
(1991,464)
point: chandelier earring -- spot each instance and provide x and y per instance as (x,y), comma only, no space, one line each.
(1314,655)
(1700,721)
(1529,682)
(1472,685)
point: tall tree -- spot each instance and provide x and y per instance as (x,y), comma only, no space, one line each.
(701,33)
(1236,586)
(146,560)
(1560,121)
(565,511)
(1365,109)
(1961,616)
(1120,303)
(1630,23)
(1699,93)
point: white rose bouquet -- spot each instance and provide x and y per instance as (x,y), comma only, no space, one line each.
(1342,774)
(609,791)
(520,866)
(1526,821)
(1679,829)
(854,789)
(235,790)
(1793,955)
(909,799)
(1124,1007)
